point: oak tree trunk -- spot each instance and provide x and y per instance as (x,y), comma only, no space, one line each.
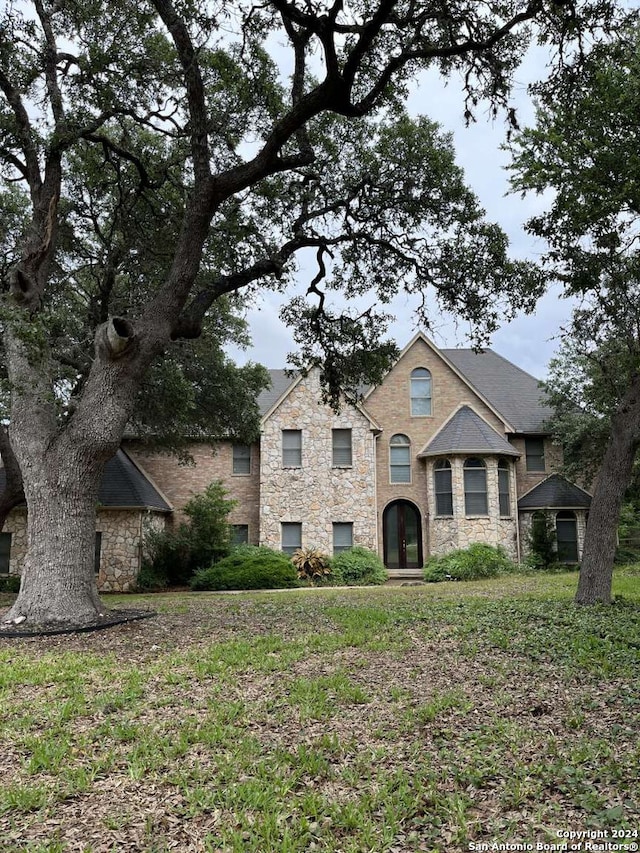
(58,582)
(596,572)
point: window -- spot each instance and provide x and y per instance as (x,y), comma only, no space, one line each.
(442,482)
(239,534)
(97,553)
(420,392)
(5,552)
(342,455)
(503,487)
(291,536)
(291,448)
(241,459)
(400,459)
(475,487)
(567,537)
(534,450)
(342,536)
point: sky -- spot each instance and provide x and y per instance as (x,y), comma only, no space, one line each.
(529,341)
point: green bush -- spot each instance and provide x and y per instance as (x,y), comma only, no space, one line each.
(248,567)
(173,556)
(472,563)
(542,542)
(10,583)
(149,581)
(359,566)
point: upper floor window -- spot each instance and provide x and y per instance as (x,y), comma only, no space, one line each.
(420,392)
(291,448)
(399,459)
(503,487)
(341,443)
(444,492)
(534,451)
(342,536)
(241,459)
(475,487)
(291,536)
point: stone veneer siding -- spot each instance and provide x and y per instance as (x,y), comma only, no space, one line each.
(317,494)
(526,520)
(121,547)
(178,483)
(390,406)
(447,533)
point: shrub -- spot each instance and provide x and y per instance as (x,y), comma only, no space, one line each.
(248,568)
(172,556)
(359,566)
(312,565)
(542,542)
(472,563)
(10,583)
(149,581)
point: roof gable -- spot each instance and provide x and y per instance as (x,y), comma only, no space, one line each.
(555,492)
(467,432)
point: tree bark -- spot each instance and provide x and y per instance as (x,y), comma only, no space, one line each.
(596,572)
(58,582)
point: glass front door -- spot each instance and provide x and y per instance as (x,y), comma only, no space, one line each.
(402,536)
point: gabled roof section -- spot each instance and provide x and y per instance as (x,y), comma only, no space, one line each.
(123,485)
(282,384)
(556,492)
(467,432)
(443,354)
(512,391)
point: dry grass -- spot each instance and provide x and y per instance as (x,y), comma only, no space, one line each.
(394,719)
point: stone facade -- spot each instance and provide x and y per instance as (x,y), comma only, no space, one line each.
(317,494)
(526,521)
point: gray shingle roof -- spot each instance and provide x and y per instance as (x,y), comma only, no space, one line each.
(512,391)
(280,381)
(123,485)
(553,493)
(467,432)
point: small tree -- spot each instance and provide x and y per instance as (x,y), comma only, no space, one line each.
(542,541)
(173,556)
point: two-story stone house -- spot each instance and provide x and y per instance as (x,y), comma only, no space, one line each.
(448,450)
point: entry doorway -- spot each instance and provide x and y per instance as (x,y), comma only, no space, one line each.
(402,536)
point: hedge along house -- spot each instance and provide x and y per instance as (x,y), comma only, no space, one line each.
(451,448)
(129,504)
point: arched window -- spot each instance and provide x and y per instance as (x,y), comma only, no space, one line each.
(475,487)
(443,490)
(567,536)
(399,459)
(420,392)
(503,487)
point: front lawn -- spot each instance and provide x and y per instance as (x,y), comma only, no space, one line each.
(437,718)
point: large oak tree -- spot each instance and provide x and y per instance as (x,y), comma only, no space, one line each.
(232,137)
(585,148)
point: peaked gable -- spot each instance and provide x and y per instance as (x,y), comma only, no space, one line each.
(467,432)
(555,492)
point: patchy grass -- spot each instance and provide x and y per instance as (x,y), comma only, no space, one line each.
(390,719)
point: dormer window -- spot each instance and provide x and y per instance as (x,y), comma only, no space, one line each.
(420,392)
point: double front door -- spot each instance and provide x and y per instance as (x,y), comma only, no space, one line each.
(402,536)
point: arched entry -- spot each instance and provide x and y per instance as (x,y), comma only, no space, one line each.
(567,536)
(402,536)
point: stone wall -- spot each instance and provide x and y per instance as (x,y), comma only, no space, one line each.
(178,483)
(317,494)
(526,520)
(459,531)
(121,547)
